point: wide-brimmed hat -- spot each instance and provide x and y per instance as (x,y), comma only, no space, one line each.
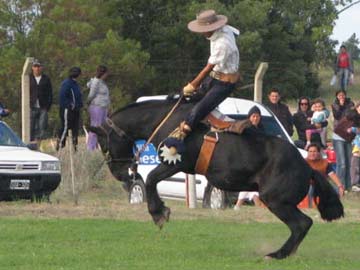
(207,21)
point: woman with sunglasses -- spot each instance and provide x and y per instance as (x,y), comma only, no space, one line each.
(302,122)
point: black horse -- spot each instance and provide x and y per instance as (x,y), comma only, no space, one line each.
(267,164)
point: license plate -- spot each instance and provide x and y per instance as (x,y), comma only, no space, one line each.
(19,184)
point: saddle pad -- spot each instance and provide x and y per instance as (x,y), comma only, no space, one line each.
(205,155)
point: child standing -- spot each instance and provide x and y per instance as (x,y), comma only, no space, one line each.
(319,116)
(355,159)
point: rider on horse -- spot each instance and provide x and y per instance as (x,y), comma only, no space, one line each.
(217,79)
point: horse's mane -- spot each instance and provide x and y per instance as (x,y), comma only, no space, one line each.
(170,99)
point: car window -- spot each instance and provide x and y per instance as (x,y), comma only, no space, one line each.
(271,127)
(8,137)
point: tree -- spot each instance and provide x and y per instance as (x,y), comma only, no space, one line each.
(352,46)
(70,33)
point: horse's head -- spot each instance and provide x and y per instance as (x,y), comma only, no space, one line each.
(117,148)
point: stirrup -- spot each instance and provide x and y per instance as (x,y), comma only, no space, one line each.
(174,144)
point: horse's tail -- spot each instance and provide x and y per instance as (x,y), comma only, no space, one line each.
(329,204)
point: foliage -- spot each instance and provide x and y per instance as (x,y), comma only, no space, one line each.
(66,33)
(352,46)
(149,49)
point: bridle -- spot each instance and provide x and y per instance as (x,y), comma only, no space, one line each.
(121,133)
(118,131)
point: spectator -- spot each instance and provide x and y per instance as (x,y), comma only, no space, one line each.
(302,122)
(99,102)
(247,196)
(341,143)
(70,105)
(280,110)
(355,159)
(316,162)
(343,67)
(319,117)
(254,115)
(41,98)
(3,111)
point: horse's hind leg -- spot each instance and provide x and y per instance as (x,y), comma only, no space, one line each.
(298,223)
(158,211)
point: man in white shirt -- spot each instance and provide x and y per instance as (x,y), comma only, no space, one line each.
(217,79)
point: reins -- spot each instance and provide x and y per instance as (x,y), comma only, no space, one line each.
(120,133)
(138,153)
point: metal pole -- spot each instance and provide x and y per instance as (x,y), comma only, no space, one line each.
(258,81)
(25,100)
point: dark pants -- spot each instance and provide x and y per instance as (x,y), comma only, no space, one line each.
(70,120)
(38,123)
(215,92)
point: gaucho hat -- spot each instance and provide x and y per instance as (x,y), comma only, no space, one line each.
(207,21)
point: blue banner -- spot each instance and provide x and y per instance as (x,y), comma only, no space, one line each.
(149,155)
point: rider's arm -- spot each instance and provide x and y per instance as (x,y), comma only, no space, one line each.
(201,76)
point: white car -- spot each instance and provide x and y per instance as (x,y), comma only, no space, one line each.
(175,187)
(25,173)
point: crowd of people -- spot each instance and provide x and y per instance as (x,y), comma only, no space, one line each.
(311,121)
(70,104)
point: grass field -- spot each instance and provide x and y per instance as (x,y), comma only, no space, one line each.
(196,244)
(100,233)
(95,228)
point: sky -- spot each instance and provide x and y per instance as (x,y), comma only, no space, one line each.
(347,24)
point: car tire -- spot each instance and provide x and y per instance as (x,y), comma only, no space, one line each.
(137,193)
(214,198)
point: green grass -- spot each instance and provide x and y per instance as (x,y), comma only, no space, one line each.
(192,244)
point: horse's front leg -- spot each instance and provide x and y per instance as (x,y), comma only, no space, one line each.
(158,211)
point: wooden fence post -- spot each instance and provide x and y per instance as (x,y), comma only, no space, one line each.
(190,190)
(25,100)
(258,81)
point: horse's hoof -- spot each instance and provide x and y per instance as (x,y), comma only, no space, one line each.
(268,258)
(162,218)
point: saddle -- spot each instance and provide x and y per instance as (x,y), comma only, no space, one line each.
(219,123)
(222,123)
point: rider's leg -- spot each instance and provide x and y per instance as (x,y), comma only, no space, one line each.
(214,96)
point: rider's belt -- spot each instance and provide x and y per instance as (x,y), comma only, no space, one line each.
(230,78)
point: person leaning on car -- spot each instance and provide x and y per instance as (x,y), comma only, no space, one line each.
(280,110)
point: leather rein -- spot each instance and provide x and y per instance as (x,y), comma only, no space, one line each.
(122,133)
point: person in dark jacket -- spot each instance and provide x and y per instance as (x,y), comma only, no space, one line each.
(280,110)
(41,98)
(254,115)
(70,105)
(340,108)
(302,122)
